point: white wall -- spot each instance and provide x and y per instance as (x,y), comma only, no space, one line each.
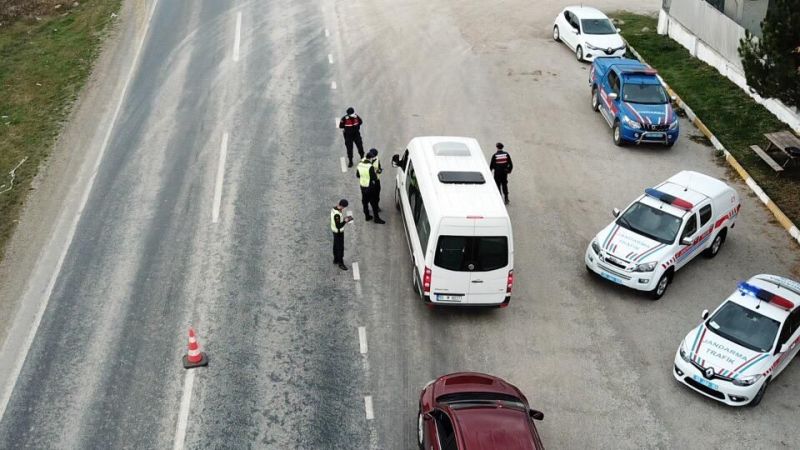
(731,69)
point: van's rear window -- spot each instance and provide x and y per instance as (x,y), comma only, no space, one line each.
(471,253)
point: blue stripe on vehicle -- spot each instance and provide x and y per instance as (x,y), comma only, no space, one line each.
(744,369)
(650,252)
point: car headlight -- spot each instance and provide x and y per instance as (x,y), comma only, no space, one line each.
(673,125)
(684,354)
(747,381)
(592,47)
(646,267)
(595,247)
(631,123)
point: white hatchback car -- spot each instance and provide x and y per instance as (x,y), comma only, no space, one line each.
(588,32)
(736,352)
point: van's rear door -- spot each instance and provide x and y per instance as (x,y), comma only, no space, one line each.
(491,261)
(450,281)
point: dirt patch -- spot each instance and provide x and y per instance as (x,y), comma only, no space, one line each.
(12,10)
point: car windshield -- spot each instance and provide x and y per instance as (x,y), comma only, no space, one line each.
(651,94)
(744,326)
(598,26)
(651,222)
(471,253)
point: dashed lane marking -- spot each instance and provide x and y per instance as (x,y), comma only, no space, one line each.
(330,58)
(356,273)
(183,414)
(238,38)
(368,407)
(333,85)
(362,340)
(343,163)
(223,154)
(327,33)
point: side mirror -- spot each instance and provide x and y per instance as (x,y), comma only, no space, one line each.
(704,314)
(784,348)
(673,98)
(427,417)
(613,95)
(577,31)
(536,415)
(396,161)
(686,240)
(615,212)
(619,31)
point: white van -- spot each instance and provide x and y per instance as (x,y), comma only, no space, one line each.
(456,224)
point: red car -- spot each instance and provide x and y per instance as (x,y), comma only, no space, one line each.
(468,411)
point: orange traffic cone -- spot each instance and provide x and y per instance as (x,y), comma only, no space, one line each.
(195,358)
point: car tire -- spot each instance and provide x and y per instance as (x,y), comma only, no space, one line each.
(716,244)
(595,100)
(419,430)
(556,34)
(760,395)
(397,199)
(616,134)
(579,53)
(661,286)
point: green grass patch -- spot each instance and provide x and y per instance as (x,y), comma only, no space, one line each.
(44,63)
(734,118)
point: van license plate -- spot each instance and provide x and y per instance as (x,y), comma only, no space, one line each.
(611,277)
(705,382)
(448,298)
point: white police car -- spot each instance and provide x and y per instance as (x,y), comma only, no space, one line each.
(734,354)
(662,230)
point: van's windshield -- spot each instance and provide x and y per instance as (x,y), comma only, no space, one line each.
(471,253)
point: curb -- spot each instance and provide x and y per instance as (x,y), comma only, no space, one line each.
(785,222)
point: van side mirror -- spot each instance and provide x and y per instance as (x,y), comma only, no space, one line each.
(704,314)
(396,161)
(615,212)
(536,415)
(686,240)
(613,95)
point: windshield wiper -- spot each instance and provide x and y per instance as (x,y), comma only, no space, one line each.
(625,223)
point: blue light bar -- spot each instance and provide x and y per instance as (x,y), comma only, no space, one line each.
(670,199)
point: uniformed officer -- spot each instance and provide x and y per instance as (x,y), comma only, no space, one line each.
(351,130)
(367,179)
(338,221)
(501,165)
(372,154)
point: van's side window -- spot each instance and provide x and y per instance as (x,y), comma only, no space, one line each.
(423,226)
(417,205)
(705,214)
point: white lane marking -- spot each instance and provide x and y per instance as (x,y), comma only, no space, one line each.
(356,274)
(26,346)
(238,38)
(330,58)
(327,33)
(183,414)
(362,340)
(223,154)
(333,85)
(368,407)
(343,163)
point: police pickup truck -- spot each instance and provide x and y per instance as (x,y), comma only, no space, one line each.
(630,98)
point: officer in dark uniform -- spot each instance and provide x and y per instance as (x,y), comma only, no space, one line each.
(367,179)
(372,155)
(338,221)
(501,165)
(351,130)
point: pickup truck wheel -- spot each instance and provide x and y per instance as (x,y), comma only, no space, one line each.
(617,133)
(556,34)
(579,53)
(595,100)
(715,245)
(661,286)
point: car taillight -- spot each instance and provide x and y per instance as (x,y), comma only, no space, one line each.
(426,281)
(510,282)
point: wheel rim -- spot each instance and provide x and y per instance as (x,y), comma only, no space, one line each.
(662,285)
(616,134)
(579,53)
(555,33)
(419,428)
(594,100)
(715,246)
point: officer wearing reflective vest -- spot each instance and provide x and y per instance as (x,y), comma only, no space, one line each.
(368,179)
(501,165)
(351,130)
(372,155)
(338,221)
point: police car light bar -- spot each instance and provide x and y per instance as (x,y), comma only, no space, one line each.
(765,295)
(670,199)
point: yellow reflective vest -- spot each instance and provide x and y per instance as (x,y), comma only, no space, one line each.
(363,172)
(335,212)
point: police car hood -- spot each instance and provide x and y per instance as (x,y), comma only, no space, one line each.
(658,114)
(629,246)
(728,359)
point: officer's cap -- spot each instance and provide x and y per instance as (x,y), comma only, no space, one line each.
(373,152)
(343,203)
(499,145)
(350,110)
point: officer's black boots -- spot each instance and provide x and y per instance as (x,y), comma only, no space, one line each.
(342,266)
(379,221)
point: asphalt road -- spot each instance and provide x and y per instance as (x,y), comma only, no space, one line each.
(153,251)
